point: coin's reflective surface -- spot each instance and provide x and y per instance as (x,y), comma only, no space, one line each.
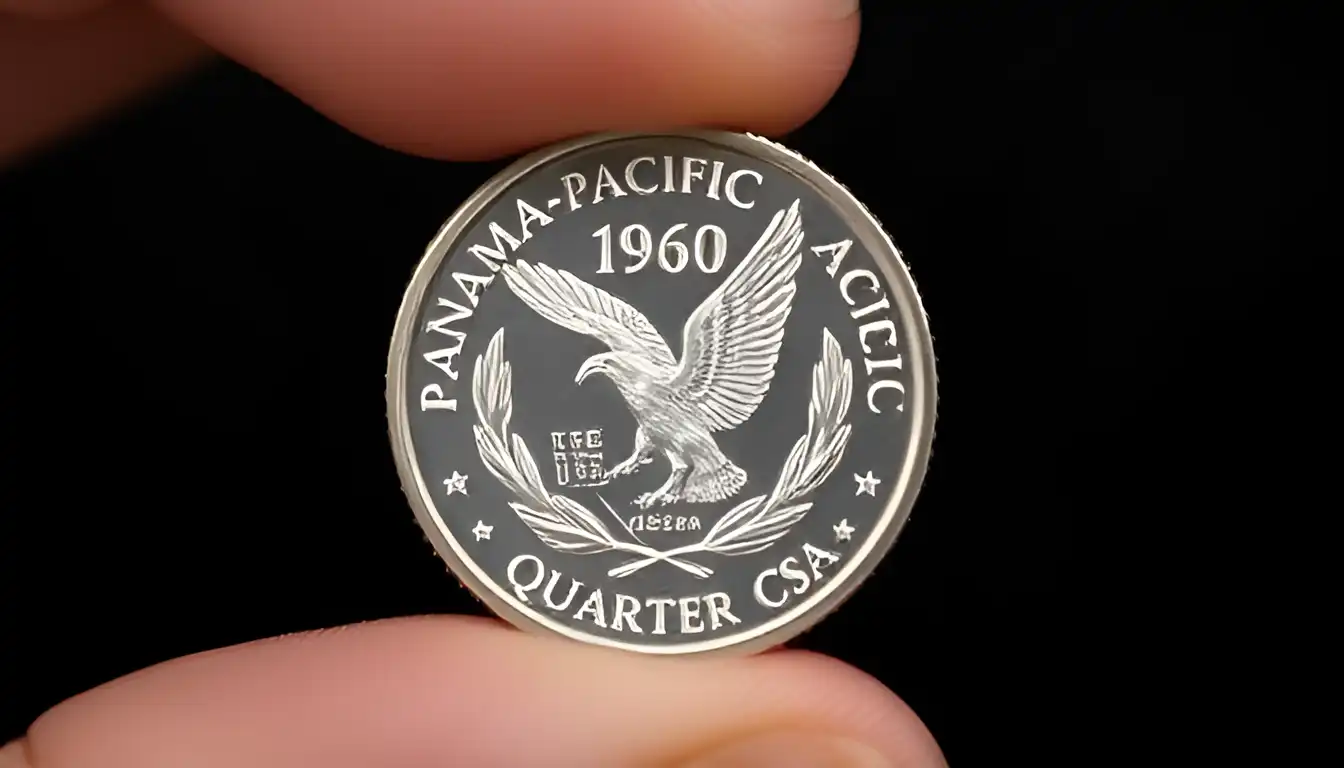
(669,393)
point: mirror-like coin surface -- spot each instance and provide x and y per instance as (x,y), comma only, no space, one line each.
(665,393)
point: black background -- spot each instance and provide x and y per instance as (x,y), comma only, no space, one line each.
(1102,207)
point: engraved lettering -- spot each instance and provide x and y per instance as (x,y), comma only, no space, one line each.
(637,244)
(520,589)
(715,178)
(692,169)
(442,359)
(579,461)
(718,247)
(472,285)
(431,399)
(717,605)
(548,594)
(574,186)
(526,215)
(694,614)
(684,175)
(680,174)
(858,274)
(665,523)
(681,254)
(659,606)
(875,365)
(870,366)
(873,327)
(627,608)
(439,325)
(885,384)
(606,181)
(604,258)
(630,180)
(837,253)
(690,616)
(818,559)
(871,308)
(561,467)
(730,188)
(493,257)
(790,570)
(710,249)
(692,611)
(758,589)
(593,605)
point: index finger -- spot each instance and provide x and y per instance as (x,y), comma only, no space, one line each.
(463,79)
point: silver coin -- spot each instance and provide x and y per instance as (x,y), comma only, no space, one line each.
(667,393)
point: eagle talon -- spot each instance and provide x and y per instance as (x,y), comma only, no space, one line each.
(654,498)
(628,467)
(622,469)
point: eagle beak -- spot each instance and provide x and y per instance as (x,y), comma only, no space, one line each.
(589,366)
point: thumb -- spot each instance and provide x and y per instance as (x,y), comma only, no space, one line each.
(454,691)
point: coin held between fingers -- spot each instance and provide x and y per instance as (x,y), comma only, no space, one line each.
(668,393)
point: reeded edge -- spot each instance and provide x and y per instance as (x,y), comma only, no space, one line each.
(843,583)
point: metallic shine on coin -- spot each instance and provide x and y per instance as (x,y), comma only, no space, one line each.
(669,393)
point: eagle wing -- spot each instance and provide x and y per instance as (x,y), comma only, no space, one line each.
(571,303)
(731,342)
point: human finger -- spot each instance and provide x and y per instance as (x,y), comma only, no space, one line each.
(50,9)
(60,72)
(460,691)
(464,79)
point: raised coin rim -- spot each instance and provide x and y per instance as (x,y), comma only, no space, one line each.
(922,404)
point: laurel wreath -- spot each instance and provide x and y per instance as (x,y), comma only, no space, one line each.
(753,525)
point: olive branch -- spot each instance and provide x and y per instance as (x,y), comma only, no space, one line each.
(753,525)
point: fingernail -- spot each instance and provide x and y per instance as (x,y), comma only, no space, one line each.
(791,750)
(795,10)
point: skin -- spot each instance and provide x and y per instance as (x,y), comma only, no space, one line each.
(455,79)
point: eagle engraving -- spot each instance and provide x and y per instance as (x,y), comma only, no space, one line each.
(729,348)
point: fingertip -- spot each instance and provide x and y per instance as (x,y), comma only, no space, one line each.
(458,691)
(76,69)
(464,80)
(49,10)
(872,709)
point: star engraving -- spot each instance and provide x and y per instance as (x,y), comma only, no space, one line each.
(867,484)
(482,530)
(843,531)
(456,484)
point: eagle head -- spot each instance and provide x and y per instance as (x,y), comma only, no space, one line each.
(604,362)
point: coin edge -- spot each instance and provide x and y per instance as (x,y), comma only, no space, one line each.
(900,502)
